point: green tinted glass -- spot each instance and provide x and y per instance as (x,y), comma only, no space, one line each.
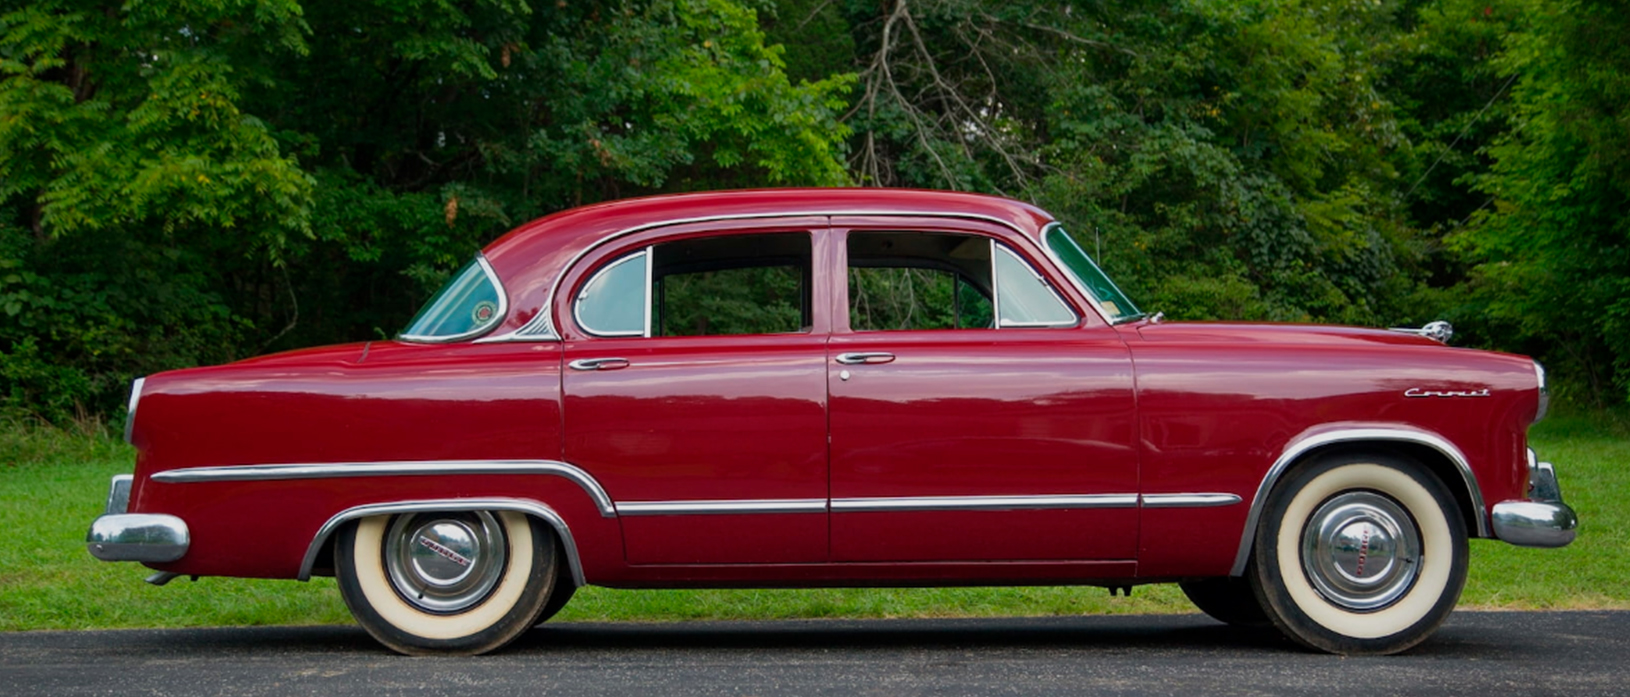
(468,305)
(1025,299)
(613,303)
(1115,305)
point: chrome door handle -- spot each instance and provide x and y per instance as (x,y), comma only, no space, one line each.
(865,357)
(598,364)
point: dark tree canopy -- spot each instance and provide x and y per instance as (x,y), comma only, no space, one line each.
(193,182)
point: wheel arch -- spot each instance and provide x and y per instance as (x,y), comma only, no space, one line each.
(323,542)
(1441,457)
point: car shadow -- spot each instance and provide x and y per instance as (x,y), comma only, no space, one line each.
(961,634)
(1109,635)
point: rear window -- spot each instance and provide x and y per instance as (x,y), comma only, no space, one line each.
(470,303)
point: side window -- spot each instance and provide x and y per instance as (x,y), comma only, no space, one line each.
(613,303)
(1025,298)
(708,286)
(920,280)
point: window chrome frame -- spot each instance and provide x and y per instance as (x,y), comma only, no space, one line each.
(498,317)
(541,327)
(648,253)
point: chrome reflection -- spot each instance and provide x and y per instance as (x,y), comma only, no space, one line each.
(331,470)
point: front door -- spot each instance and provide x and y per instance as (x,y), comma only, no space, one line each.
(695,392)
(975,413)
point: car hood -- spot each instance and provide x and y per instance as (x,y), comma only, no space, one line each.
(1316,334)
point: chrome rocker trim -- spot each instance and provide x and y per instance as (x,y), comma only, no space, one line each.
(925,503)
(244,473)
(1189,500)
(1296,450)
(982,503)
(534,508)
(1542,520)
(142,537)
(721,507)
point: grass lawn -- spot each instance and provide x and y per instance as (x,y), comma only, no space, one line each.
(52,484)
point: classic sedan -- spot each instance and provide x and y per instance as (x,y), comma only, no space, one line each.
(792,388)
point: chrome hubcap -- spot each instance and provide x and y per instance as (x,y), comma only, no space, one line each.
(445,562)
(1361,551)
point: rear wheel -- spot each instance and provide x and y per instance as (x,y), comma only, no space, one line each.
(1227,600)
(1359,555)
(446,582)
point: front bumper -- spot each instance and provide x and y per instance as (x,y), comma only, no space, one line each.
(143,537)
(1541,520)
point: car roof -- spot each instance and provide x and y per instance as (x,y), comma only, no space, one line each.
(530,257)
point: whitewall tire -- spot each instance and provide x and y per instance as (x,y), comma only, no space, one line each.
(452,583)
(1359,554)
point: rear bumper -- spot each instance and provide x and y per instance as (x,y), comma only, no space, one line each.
(1541,520)
(143,537)
(138,537)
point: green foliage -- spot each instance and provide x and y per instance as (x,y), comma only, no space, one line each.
(754,300)
(187,182)
(192,181)
(1553,251)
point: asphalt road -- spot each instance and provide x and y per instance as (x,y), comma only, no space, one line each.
(1484,654)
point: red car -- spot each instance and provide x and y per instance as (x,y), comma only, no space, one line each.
(836,388)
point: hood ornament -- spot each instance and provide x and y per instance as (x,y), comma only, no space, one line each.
(1439,331)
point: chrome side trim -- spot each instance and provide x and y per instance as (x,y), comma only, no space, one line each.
(118,495)
(568,545)
(1189,500)
(720,507)
(982,503)
(540,328)
(130,410)
(923,503)
(548,301)
(498,317)
(143,537)
(247,473)
(1299,448)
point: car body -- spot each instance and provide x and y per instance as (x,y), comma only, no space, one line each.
(835,387)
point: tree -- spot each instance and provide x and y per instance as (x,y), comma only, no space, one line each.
(1553,250)
(186,182)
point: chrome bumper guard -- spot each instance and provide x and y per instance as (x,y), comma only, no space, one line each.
(143,537)
(1542,520)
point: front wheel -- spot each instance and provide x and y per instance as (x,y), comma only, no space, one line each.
(446,582)
(1360,555)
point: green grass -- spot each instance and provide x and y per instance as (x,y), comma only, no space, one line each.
(52,483)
